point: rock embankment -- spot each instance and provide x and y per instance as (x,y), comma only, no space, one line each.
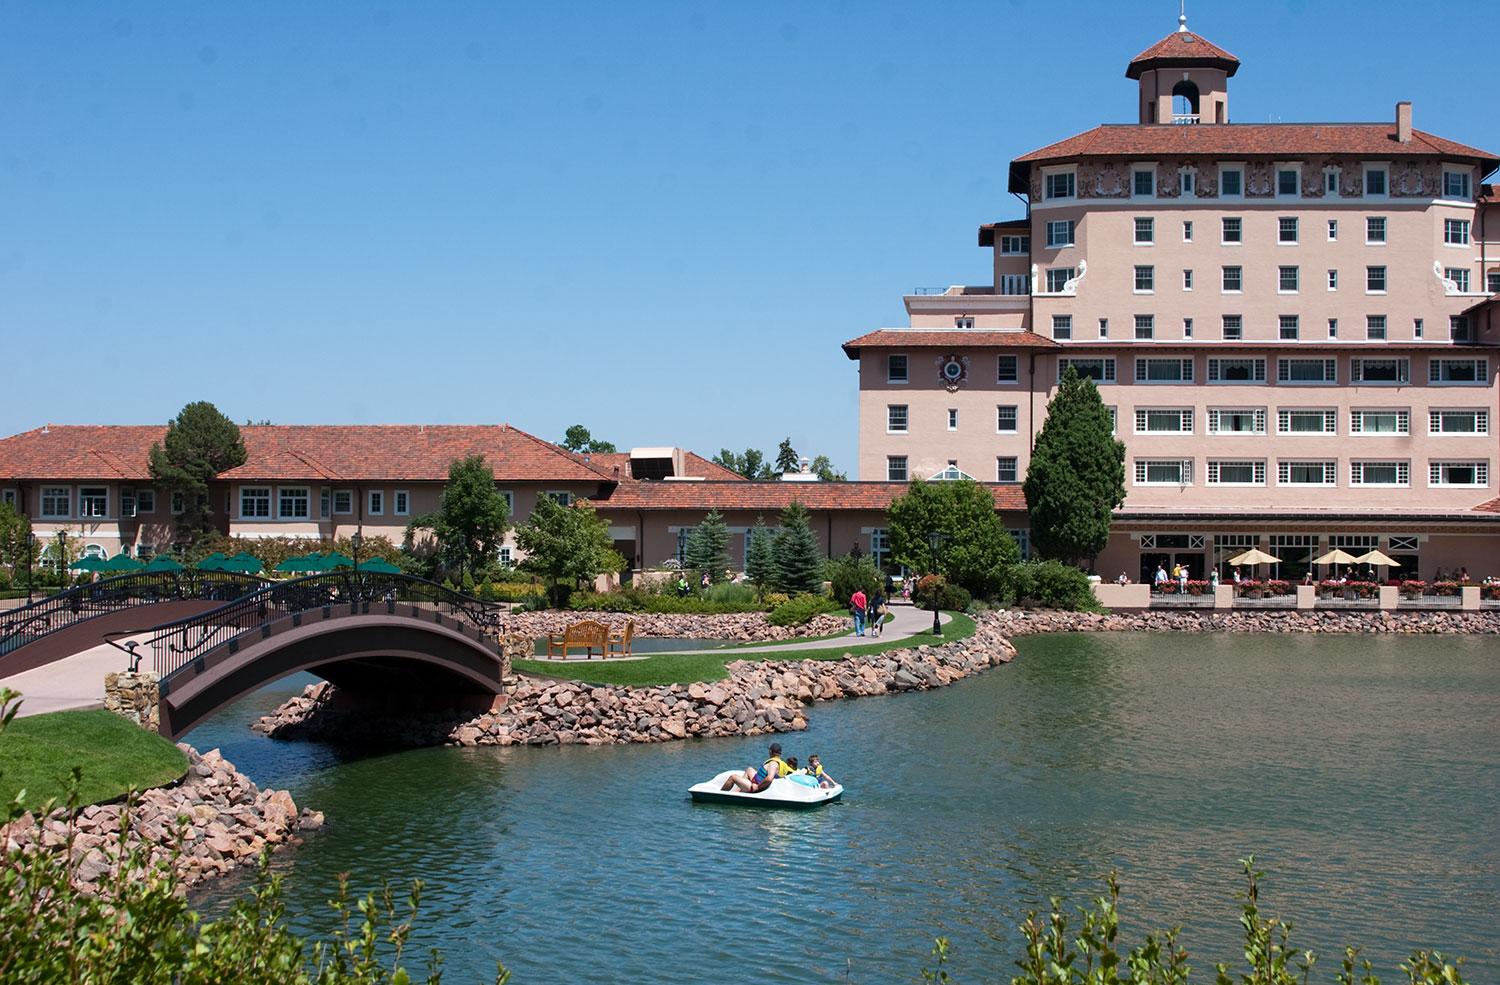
(225,822)
(756,698)
(1019,622)
(727,626)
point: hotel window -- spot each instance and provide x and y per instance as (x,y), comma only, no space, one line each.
(895,369)
(1455,184)
(293,503)
(343,502)
(1014,245)
(1232,229)
(145,500)
(880,545)
(1458,328)
(401,500)
(177,504)
(1307,371)
(1234,328)
(1008,370)
(1062,326)
(1060,184)
(1288,328)
(1333,328)
(1231,182)
(1459,276)
(505,556)
(1333,230)
(1380,370)
(1374,280)
(895,419)
(1104,328)
(1005,419)
(1290,421)
(9,497)
(1244,420)
(1416,328)
(1187,231)
(1331,182)
(375,499)
(1333,280)
(1145,230)
(1287,279)
(1015,284)
(1375,229)
(559,496)
(1005,469)
(510,501)
(963,321)
(1236,473)
(1143,182)
(1286,229)
(93,502)
(1472,371)
(1099,369)
(1458,473)
(1380,421)
(1057,279)
(1233,280)
(1114,419)
(255,503)
(1163,370)
(1458,422)
(1375,183)
(325,502)
(952,418)
(1060,232)
(895,468)
(1492,280)
(1375,328)
(1163,472)
(1306,473)
(1149,421)
(1187,280)
(1187,328)
(1187,182)
(1145,279)
(1248,370)
(1288,182)
(1379,473)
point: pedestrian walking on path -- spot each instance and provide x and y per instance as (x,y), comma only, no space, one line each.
(858,601)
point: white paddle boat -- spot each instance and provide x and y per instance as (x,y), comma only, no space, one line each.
(795,791)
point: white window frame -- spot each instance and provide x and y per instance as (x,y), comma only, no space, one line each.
(952,418)
(1328,419)
(1333,279)
(1282,227)
(1058,277)
(1015,244)
(1216,416)
(1258,370)
(1143,466)
(1238,328)
(348,495)
(374,502)
(1239,230)
(1385,279)
(890,376)
(1000,415)
(893,412)
(1435,368)
(401,503)
(145,501)
(894,464)
(1184,417)
(1281,270)
(1357,474)
(1015,285)
(1384,170)
(1015,365)
(1062,327)
(1187,278)
(1000,469)
(1284,472)
(1239,276)
(1239,171)
(1145,273)
(1370,228)
(1333,230)
(1357,422)
(282,493)
(1061,234)
(1286,324)
(1377,327)
(1145,328)
(1459,276)
(1147,225)
(1187,230)
(1436,477)
(1436,415)
(1106,367)
(1144,364)
(1057,174)
(1216,466)
(1466,179)
(1283,372)
(257,495)
(1295,167)
(92,493)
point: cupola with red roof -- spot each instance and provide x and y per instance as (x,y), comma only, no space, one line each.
(1184,78)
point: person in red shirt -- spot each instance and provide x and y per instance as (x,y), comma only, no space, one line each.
(858,601)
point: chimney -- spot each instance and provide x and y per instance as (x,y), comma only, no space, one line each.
(1403,121)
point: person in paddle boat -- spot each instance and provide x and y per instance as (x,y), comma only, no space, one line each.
(815,769)
(753,780)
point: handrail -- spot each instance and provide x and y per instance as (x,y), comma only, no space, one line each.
(177,645)
(67,608)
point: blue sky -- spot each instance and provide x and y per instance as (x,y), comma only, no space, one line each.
(657,219)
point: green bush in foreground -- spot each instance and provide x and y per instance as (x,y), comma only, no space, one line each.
(1051,585)
(799,610)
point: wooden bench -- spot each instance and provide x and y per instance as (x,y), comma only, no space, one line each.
(586,635)
(619,643)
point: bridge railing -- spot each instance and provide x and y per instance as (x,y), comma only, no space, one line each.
(48,615)
(176,645)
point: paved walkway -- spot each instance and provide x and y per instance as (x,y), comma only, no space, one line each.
(72,682)
(905,621)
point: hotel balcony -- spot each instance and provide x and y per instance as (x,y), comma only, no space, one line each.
(961,301)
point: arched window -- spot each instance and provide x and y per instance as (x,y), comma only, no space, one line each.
(1185,102)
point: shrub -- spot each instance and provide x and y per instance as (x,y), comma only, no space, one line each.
(730,593)
(936,591)
(517,591)
(800,610)
(1051,585)
(605,602)
(1413,589)
(773,599)
(1277,586)
(850,573)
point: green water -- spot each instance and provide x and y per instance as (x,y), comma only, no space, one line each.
(1361,771)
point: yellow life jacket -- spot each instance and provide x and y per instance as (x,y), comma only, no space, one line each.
(817,770)
(775,767)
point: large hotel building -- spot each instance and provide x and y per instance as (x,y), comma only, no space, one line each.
(1294,326)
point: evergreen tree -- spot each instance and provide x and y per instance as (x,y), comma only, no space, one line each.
(796,559)
(973,548)
(199,444)
(759,563)
(565,545)
(786,457)
(578,439)
(471,517)
(708,547)
(1077,475)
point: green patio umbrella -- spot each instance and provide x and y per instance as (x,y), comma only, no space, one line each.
(380,566)
(87,563)
(334,560)
(243,563)
(299,565)
(162,563)
(214,562)
(121,564)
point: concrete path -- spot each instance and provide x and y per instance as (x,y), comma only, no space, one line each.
(905,621)
(72,682)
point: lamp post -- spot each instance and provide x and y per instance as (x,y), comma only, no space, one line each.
(934,540)
(355,543)
(62,555)
(30,550)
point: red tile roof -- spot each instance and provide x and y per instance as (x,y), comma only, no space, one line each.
(1492,506)
(987,230)
(1182,49)
(353,453)
(775,496)
(900,338)
(698,467)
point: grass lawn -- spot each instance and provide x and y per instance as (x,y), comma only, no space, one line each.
(802,639)
(37,754)
(685,668)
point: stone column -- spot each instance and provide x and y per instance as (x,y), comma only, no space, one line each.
(134,696)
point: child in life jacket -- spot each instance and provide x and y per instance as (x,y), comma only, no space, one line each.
(815,768)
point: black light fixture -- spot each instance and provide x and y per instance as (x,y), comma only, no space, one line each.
(30,550)
(62,556)
(355,543)
(934,540)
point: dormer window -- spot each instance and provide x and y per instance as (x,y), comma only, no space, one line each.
(1331,182)
(1375,180)
(1231,182)
(1061,184)
(1288,182)
(1187,182)
(1143,182)
(1456,184)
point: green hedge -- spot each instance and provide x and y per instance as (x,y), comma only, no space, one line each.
(800,610)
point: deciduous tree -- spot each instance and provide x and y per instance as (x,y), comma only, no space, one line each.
(471,519)
(577,438)
(973,548)
(199,444)
(565,545)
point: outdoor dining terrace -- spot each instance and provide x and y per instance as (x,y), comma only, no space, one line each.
(1327,593)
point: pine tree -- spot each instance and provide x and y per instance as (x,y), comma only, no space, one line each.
(796,558)
(708,547)
(786,457)
(199,444)
(759,563)
(1077,475)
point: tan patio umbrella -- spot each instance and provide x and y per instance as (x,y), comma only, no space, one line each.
(1375,557)
(1336,556)
(1254,556)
